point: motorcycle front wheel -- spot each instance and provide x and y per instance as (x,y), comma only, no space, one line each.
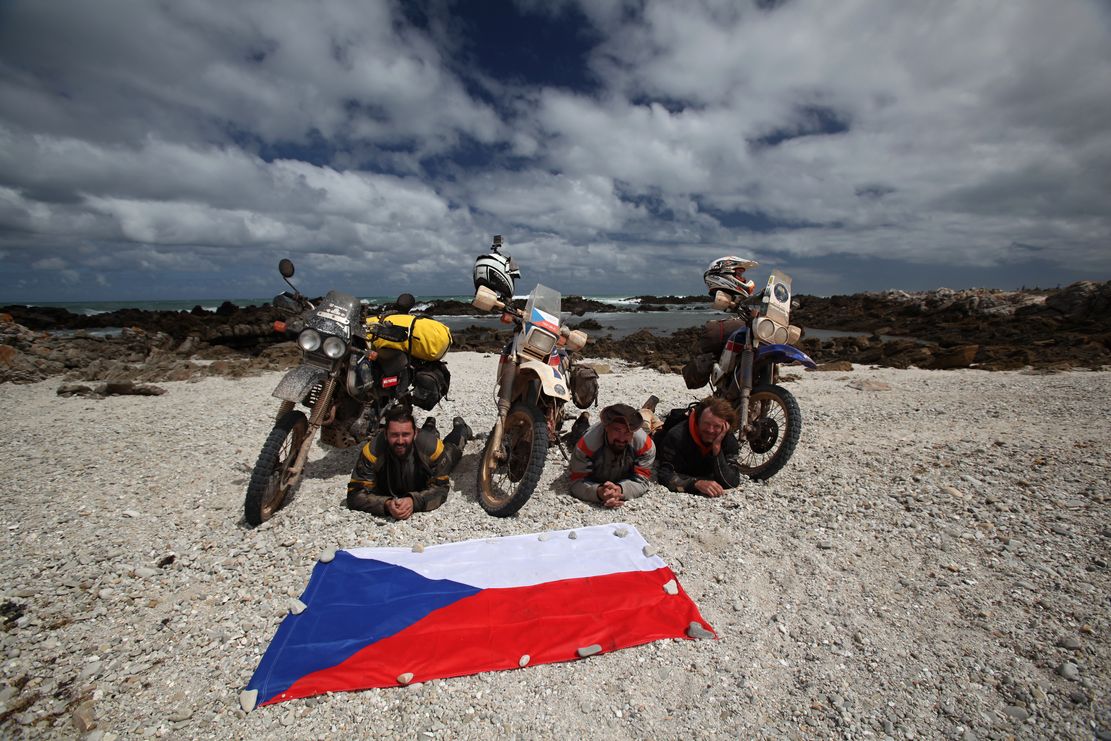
(504,487)
(271,484)
(776,423)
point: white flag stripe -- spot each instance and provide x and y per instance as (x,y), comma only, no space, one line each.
(526,560)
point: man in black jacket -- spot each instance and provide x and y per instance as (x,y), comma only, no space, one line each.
(699,455)
(402,470)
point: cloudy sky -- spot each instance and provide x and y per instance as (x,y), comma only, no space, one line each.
(179,148)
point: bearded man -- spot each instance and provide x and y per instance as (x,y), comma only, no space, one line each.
(402,470)
(612,461)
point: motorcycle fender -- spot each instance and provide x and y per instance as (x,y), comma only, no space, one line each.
(298,381)
(552,379)
(784,354)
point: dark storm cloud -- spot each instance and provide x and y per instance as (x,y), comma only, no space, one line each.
(618,145)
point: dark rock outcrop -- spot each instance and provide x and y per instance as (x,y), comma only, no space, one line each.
(979,328)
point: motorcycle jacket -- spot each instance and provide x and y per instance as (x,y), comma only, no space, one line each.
(685,459)
(593,462)
(380,475)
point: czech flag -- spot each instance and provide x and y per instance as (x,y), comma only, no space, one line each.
(545,320)
(383,617)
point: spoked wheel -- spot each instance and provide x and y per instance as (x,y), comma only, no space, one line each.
(271,484)
(504,486)
(776,423)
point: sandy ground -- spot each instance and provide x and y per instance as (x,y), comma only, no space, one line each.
(932,563)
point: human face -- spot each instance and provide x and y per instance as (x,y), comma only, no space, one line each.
(618,435)
(399,436)
(710,426)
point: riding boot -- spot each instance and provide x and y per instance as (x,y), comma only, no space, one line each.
(582,424)
(460,433)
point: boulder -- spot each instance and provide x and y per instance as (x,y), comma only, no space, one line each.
(953,357)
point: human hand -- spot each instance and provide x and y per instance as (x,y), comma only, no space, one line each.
(610,495)
(715,444)
(709,488)
(401,509)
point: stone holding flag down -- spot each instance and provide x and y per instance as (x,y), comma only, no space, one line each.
(382,617)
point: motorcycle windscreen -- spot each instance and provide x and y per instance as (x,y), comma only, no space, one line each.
(336,315)
(777,298)
(542,309)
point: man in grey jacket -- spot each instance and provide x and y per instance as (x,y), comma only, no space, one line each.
(613,460)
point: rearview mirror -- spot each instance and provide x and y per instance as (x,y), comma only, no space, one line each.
(285,267)
(406,301)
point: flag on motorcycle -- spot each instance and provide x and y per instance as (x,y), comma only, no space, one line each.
(383,617)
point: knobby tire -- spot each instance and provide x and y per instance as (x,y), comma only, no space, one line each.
(497,494)
(786,415)
(267,492)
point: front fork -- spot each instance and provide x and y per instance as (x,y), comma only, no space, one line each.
(505,399)
(321,411)
(747,355)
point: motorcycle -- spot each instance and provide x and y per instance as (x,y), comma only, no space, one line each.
(533,385)
(746,373)
(345,383)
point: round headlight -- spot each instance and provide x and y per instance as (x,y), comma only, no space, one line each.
(765,329)
(309,340)
(334,347)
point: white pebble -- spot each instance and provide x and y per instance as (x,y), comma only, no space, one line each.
(573,535)
(296,606)
(543,537)
(418,548)
(327,556)
(589,650)
(648,551)
(405,678)
(247,700)
(524,661)
(621,532)
(671,587)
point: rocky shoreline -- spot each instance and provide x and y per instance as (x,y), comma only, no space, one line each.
(942,329)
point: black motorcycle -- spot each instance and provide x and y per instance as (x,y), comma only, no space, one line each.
(343,382)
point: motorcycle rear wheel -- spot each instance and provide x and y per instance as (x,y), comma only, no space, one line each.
(270,484)
(503,488)
(776,422)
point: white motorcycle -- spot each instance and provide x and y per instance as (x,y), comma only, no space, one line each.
(533,386)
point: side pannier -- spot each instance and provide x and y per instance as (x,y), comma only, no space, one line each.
(430,384)
(696,373)
(584,386)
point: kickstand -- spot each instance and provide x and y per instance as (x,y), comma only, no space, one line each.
(562,448)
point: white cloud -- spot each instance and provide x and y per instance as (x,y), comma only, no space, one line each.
(342,133)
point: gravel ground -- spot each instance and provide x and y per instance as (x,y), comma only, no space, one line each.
(933,563)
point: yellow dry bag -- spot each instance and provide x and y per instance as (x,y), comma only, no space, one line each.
(428,338)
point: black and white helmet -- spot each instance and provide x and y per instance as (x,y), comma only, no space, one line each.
(728,274)
(496,271)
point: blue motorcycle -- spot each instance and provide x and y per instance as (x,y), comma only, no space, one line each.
(740,361)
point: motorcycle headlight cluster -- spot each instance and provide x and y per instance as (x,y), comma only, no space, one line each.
(309,340)
(334,347)
(540,342)
(769,331)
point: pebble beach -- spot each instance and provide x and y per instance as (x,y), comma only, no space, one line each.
(932,563)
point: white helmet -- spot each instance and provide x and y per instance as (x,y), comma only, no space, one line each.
(496,271)
(727,274)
